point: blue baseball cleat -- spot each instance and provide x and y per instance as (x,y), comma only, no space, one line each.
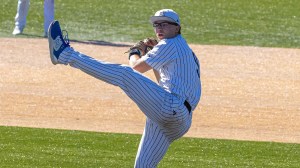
(57,43)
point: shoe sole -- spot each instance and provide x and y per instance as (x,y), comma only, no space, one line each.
(51,41)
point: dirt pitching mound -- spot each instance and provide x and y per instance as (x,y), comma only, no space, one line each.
(249,93)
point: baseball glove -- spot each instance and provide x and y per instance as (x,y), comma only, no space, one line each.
(142,47)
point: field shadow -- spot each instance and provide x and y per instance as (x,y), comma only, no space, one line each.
(28,35)
(102,43)
(93,42)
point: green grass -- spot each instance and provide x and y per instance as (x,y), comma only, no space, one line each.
(31,147)
(272,23)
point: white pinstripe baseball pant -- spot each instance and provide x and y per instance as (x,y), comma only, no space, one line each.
(167,117)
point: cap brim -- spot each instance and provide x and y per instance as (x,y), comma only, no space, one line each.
(161,18)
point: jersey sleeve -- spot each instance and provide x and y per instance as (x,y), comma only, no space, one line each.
(163,53)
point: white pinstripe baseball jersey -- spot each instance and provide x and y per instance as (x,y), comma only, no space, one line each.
(178,68)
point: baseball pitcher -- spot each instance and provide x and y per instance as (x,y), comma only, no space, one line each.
(168,105)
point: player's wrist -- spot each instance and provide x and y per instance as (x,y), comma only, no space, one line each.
(134,52)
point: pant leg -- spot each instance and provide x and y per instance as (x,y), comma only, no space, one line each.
(22,12)
(167,117)
(48,13)
(144,92)
(153,146)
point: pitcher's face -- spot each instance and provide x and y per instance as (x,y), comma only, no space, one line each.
(164,29)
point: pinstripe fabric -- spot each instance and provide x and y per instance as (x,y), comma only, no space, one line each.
(167,117)
(178,67)
(153,146)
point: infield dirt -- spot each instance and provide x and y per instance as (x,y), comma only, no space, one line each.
(249,93)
